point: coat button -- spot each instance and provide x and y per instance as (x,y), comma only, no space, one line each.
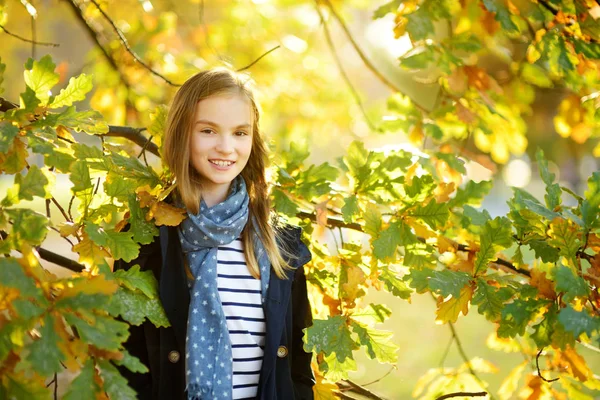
(173,356)
(282,351)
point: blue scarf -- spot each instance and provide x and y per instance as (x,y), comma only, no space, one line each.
(208,347)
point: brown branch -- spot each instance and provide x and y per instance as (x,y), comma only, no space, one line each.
(28,40)
(338,62)
(350,386)
(95,36)
(462,394)
(134,135)
(258,59)
(364,58)
(537,364)
(53,257)
(128,48)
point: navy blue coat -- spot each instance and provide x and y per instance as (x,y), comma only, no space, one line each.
(286,372)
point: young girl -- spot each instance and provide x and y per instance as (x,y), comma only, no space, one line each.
(230,280)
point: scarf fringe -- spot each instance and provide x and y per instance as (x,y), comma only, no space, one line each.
(193,392)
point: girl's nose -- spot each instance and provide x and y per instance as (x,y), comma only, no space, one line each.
(225,143)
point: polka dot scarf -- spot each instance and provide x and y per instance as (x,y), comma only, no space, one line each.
(208,350)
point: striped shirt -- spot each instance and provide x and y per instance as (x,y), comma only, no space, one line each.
(240,295)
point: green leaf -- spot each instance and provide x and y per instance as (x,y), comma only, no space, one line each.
(535,75)
(564,236)
(373,222)
(453,161)
(118,187)
(433,214)
(570,284)
(542,332)
(28,225)
(503,15)
(2,70)
(490,300)
(103,332)
(143,231)
(591,204)
(374,313)
(120,244)
(590,50)
(448,282)
(397,234)
(475,217)
(465,41)
(378,343)
(76,90)
(32,184)
(89,121)
(356,159)
(383,10)
(350,210)
(540,210)
(553,190)
(419,279)
(26,309)
(45,356)
(134,307)
(7,134)
(495,236)
(84,386)
(393,284)
(132,363)
(335,370)
(80,176)
(544,251)
(20,388)
(517,315)
(472,194)
(134,279)
(330,335)
(13,276)
(28,101)
(419,255)
(60,160)
(114,384)
(419,25)
(40,77)
(419,60)
(284,204)
(434,131)
(578,322)
(132,168)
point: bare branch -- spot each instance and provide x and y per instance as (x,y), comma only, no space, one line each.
(462,394)
(258,59)
(364,58)
(341,68)
(537,364)
(28,40)
(350,386)
(134,135)
(128,48)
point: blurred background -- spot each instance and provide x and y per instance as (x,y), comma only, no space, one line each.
(312,91)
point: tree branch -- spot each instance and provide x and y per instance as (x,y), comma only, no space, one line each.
(258,59)
(134,135)
(96,39)
(349,386)
(537,364)
(462,394)
(128,48)
(54,258)
(364,58)
(341,68)
(28,40)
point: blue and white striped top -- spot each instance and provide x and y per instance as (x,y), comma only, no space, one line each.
(241,299)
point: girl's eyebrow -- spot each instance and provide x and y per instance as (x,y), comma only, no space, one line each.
(207,122)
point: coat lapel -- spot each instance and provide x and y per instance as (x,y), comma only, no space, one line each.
(174,293)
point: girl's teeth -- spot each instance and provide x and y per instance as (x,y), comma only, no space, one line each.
(222,163)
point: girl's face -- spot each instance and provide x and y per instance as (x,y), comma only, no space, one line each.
(221,140)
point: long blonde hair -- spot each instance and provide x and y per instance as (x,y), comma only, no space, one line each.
(176,155)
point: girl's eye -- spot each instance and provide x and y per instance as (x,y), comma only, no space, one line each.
(207,131)
(241,133)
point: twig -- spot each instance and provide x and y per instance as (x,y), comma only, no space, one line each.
(70,204)
(66,238)
(537,364)
(378,379)
(589,346)
(62,210)
(462,394)
(133,134)
(128,48)
(446,352)
(357,98)
(95,38)
(28,40)
(33,36)
(48,208)
(205,29)
(364,58)
(258,59)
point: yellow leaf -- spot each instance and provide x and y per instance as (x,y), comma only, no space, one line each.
(509,384)
(416,135)
(93,285)
(165,214)
(449,310)
(574,364)
(352,288)
(90,253)
(324,390)
(443,191)
(544,285)
(420,229)
(67,229)
(64,133)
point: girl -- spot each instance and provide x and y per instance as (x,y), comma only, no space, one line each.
(231,281)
